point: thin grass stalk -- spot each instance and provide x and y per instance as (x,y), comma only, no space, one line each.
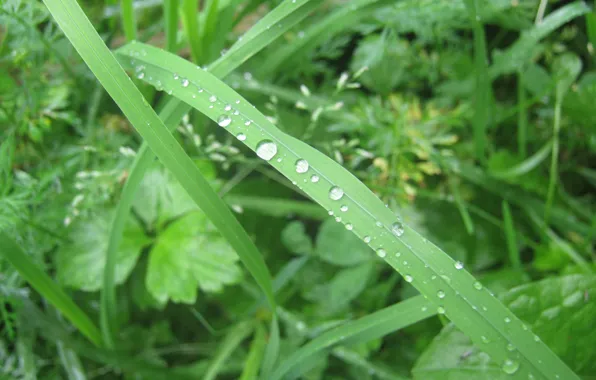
(170,8)
(129,21)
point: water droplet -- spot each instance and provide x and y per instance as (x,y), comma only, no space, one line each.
(301,166)
(247,123)
(227,107)
(266,149)
(510,347)
(314,178)
(536,338)
(349,227)
(213,98)
(397,228)
(224,120)
(379,224)
(397,254)
(381,253)
(459,265)
(441,294)
(330,212)
(343,208)
(176,76)
(507,319)
(441,310)
(510,366)
(335,193)
(484,339)
(141,75)
(366,239)
(241,136)
(237,101)
(338,219)
(408,278)
(185,82)
(477,285)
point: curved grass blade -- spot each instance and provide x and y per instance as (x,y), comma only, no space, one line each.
(255,354)
(337,21)
(80,32)
(528,164)
(372,326)
(452,289)
(232,340)
(514,258)
(287,15)
(45,286)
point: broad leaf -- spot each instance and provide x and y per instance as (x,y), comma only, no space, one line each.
(80,263)
(295,239)
(190,253)
(338,246)
(559,310)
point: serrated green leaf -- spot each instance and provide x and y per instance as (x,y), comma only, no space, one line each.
(338,246)
(190,253)
(81,262)
(559,310)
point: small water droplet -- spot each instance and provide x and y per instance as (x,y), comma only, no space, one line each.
(510,366)
(381,253)
(484,339)
(247,123)
(238,101)
(301,166)
(330,212)
(349,227)
(314,178)
(343,208)
(397,228)
(213,98)
(397,254)
(477,285)
(510,347)
(336,193)
(241,136)
(441,310)
(536,338)
(227,107)
(176,76)
(338,219)
(266,149)
(185,82)
(379,224)
(459,265)
(441,294)
(224,120)
(408,278)
(366,239)
(507,319)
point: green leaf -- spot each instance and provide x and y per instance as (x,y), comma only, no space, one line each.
(345,286)
(295,239)
(190,253)
(566,69)
(559,310)
(80,263)
(338,246)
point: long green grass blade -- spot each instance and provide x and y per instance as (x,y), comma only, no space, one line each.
(522,116)
(129,21)
(553,177)
(528,164)
(452,289)
(102,63)
(232,340)
(45,286)
(286,14)
(512,249)
(372,326)
(190,21)
(255,355)
(170,15)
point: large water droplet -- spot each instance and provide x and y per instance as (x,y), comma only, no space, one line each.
(510,366)
(381,253)
(241,136)
(397,228)
(335,193)
(459,265)
(408,278)
(141,75)
(441,294)
(266,149)
(213,98)
(314,178)
(185,82)
(301,166)
(224,120)
(228,107)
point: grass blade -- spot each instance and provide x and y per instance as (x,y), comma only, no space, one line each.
(528,164)
(255,354)
(514,257)
(463,211)
(372,326)
(232,340)
(554,159)
(87,42)
(45,286)
(287,15)
(128,20)
(522,116)
(190,21)
(170,14)
(431,271)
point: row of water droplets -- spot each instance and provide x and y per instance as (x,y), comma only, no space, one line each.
(236,122)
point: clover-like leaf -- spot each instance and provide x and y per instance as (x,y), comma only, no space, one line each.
(339,246)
